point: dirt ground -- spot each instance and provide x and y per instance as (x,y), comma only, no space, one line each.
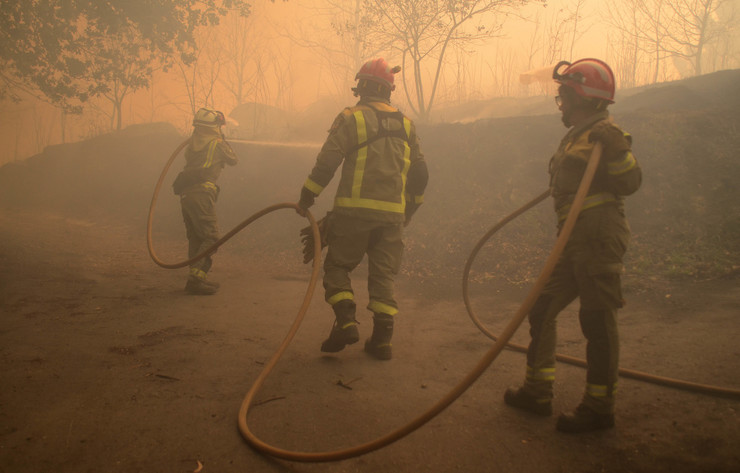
(108,366)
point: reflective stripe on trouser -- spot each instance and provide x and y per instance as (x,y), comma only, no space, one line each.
(588,269)
(600,397)
(199,215)
(349,239)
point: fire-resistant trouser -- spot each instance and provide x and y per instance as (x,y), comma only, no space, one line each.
(589,269)
(349,239)
(199,214)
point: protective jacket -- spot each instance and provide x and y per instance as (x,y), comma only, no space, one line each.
(615,178)
(205,157)
(588,269)
(383,171)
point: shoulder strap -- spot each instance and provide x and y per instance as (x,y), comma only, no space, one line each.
(383,132)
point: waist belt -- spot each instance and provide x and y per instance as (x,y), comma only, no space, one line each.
(591,201)
(210,185)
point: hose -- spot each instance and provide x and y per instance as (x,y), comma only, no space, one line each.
(627,373)
(457,390)
(501,342)
(227,236)
(440,405)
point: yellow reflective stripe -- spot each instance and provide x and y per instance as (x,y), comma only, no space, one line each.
(210,185)
(380,308)
(369,204)
(406,161)
(542,374)
(591,201)
(312,186)
(418,199)
(355,201)
(620,167)
(211,152)
(341,296)
(198,273)
(599,390)
(361,154)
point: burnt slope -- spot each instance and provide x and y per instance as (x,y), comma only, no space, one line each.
(685,219)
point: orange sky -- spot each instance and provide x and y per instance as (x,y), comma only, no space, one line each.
(295,75)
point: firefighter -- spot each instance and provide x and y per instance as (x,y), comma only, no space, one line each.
(382,184)
(590,266)
(205,157)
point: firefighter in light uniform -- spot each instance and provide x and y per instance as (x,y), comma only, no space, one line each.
(205,157)
(590,266)
(382,184)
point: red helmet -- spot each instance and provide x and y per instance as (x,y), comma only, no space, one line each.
(590,78)
(378,70)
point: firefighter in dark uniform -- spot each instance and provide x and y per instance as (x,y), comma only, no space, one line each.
(590,266)
(205,157)
(382,184)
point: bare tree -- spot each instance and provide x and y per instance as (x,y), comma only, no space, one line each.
(691,26)
(546,45)
(554,37)
(641,40)
(344,46)
(576,15)
(199,73)
(422,31)
(243,47)
(725,51)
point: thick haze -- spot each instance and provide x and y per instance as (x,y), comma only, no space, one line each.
(294,57)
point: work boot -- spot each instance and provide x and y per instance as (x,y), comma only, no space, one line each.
(521,399)
(344,331)
(379,343)
(201,287)
(584,419)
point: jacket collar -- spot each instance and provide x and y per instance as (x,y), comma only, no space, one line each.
(584,125)
(364,100)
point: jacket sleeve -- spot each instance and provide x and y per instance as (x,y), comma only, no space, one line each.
(227,153)
(332,153)
(624,175)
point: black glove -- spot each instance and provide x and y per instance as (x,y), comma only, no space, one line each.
(306,200)
(409,212)
(613,139)
(308,241)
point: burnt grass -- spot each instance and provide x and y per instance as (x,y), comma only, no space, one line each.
(685,219)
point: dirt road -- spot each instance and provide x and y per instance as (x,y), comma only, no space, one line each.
(109,367)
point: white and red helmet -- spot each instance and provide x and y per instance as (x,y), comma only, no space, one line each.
(378,70)
(589,78)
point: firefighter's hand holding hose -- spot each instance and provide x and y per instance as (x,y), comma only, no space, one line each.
(305,202)
(615,141)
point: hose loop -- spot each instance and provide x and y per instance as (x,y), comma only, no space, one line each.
(627,373)
(501,342)
(457,390)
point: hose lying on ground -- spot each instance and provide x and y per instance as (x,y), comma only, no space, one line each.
(501,342)
(627,373)
(443,403)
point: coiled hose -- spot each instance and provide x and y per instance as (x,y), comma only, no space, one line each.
(627,373)
(501,342)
